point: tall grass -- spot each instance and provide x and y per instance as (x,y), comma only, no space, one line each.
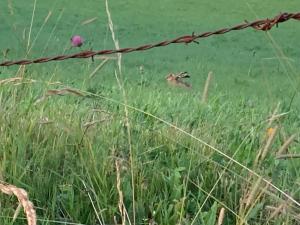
(131,150)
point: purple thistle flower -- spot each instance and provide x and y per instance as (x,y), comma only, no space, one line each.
(77,41)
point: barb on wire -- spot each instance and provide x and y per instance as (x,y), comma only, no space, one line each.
(264,25)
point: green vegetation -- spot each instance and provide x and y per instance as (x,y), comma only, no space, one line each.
(178,160)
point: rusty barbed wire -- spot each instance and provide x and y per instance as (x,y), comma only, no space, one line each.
(263,24)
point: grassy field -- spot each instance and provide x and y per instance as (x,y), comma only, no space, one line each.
(126,147)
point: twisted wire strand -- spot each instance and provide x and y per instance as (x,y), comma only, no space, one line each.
(263,24)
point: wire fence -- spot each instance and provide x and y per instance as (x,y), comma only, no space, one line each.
(263,24)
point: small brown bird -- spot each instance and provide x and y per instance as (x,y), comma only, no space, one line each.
(175,79)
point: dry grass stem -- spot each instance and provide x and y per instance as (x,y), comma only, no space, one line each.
(206,87)
(273,116)
(59,92)
(101,57)
(251,197)
(288,156)
(92,202)
(40,30)
(98,68)
(253,193)
(121,87)
(111,27)
(286,144)
(10,80)
(271,132)
(121,202)
(47,17)
(268,143)
(224,205)
(277,116)
(23,37)
(276,210)
(5,52)
(64,91)
(115,221)
(89,21)
(27,81)
(89,124)
(45,120)
(54,83)
(10,7)
(17,212)
(22,197)
(31,23)
(283,209)
(221,216)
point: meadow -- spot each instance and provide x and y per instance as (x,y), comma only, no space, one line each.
(115,144)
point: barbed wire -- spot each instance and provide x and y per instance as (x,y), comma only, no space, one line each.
(263,24)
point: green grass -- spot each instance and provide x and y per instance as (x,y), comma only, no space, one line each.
(171,161)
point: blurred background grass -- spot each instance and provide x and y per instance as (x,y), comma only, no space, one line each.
(47,150)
